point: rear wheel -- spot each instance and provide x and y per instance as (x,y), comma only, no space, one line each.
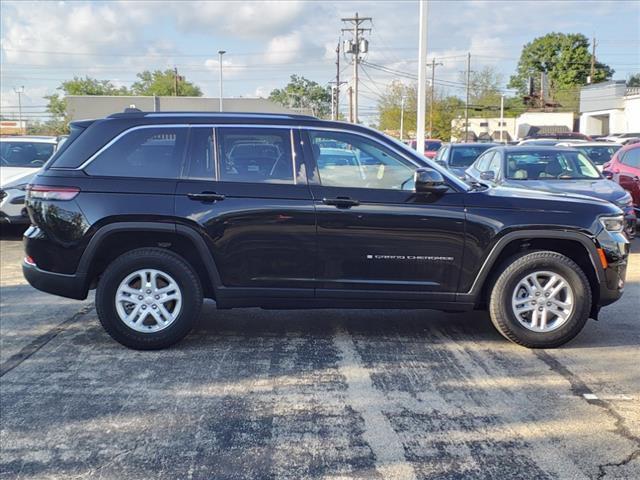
(148,298)
(540,300)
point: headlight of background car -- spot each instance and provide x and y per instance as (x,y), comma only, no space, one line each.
(613,224)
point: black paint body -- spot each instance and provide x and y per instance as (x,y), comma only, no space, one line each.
(285,246)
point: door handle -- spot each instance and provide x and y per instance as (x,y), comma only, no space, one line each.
(206,196)
(341,202)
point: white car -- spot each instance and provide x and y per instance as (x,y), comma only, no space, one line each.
(20,160)
(598,152)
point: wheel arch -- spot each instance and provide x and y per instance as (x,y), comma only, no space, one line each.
(575,245)
(113,239)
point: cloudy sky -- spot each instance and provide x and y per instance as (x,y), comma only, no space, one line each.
(44,43)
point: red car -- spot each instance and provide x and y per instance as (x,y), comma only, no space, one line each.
(624,168)
(431,146)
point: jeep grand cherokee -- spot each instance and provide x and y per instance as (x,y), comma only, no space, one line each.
(158,210)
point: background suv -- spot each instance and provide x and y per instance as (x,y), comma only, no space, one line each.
(158,210)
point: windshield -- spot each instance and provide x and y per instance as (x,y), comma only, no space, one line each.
(550,165)
(25,154)
(431,146)
(465,156)
(599,154)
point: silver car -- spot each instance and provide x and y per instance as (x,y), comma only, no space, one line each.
(20,160)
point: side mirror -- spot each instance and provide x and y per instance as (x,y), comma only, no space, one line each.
(607,174)
(442,163)
(490,175)
(427,180)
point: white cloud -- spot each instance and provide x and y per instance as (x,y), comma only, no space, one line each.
(284,48)
(239,19)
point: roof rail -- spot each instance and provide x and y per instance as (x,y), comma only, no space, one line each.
(134,112)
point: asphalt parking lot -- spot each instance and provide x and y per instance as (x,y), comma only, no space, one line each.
(313,394)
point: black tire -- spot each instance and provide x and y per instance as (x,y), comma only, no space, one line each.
(501,312)
(149,258)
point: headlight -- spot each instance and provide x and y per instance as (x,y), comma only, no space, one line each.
(613,224)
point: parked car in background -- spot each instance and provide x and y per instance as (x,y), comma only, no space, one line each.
(551,169)
(153,211)
(598,152)
(566,136)
(620,137)
(624,169)
(548,142)
(431,146)
(20,160)
(457,157)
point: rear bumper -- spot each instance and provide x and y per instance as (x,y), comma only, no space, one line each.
(70,286)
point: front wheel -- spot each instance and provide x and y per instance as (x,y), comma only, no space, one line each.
(541,300)
(148,299)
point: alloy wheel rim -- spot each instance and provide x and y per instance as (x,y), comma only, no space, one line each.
(543,301)
(148,300)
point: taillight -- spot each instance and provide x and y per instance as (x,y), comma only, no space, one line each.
(45,192)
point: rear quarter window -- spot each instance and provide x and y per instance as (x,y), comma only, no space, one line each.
(154,152)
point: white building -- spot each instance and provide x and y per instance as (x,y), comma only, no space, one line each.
(488,129)
(609,108)
(98,106)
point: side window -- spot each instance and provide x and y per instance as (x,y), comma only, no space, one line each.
(482,165)
(153,152)
(495,164)
(632,158)
(349,160)
(201,154)
(261,155)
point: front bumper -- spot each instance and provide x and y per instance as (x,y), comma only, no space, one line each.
(70,286)
(616,249)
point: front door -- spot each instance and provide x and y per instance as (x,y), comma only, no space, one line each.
(246,189)
(376,237)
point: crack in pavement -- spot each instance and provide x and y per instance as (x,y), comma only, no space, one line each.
(580,388)
(40,341)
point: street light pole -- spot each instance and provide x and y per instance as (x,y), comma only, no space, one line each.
(20,91)
(220,53)
(501,115)
(402,99)
(422,80)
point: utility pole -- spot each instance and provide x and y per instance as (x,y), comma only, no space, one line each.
(432,96)
(466,106)
(592,73)
(350,95)
(20,91)
(336,110)
(175,81)
(501,115)
(402,99)
(422,81)
(358,46)
(220,53)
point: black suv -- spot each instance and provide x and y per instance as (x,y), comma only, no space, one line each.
(158,210)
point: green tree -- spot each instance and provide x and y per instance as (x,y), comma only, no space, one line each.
(390,107)
(445,109)
(304,93)
(57,105)
(484,87)
(633,80)
(566,61)
(163,83)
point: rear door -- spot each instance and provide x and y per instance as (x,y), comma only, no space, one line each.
(245,188)
(376,238)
